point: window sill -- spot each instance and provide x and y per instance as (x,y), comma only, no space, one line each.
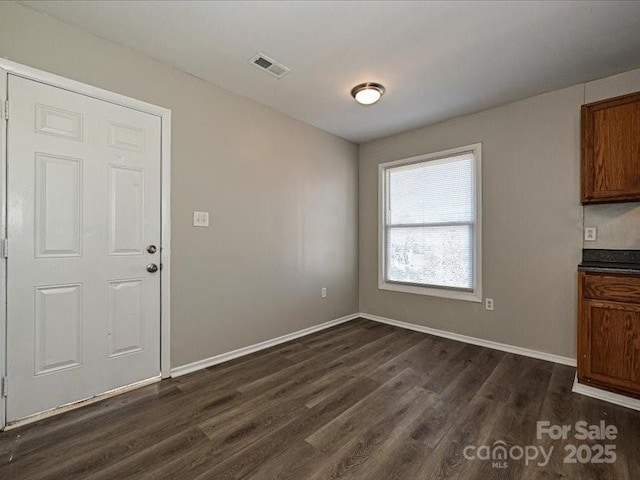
(475,296)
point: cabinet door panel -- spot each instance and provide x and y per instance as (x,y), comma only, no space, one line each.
(617,150)
(611,342)
(611,150)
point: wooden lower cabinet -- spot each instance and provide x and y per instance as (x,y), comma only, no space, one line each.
(609,332)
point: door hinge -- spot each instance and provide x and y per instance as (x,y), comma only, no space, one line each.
(5,386)
(4,247)
(5,110)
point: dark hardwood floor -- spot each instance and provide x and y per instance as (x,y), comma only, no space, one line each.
(359,401)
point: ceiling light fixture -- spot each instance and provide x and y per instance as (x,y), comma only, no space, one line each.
(367,93)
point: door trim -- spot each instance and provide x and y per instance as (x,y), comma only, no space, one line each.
(8,67)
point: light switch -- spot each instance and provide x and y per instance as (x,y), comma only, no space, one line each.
(590,234)
(200,219)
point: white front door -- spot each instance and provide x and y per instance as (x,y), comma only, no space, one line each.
(83,206)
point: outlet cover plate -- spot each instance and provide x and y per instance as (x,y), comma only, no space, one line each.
(488,303)
(590,234)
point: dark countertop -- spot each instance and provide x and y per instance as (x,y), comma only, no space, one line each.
(610,261)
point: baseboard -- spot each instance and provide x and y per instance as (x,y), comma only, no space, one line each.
(474,340)
(225,357)
(616,398)
(240,352)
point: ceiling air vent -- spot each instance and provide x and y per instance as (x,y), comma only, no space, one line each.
(268,65)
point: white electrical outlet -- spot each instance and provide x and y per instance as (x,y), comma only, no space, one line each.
(590,234)
(488,303)
(200,219)
(323,292)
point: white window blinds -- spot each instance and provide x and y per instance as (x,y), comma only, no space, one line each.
(429,228)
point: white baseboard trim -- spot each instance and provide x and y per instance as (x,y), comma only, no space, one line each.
(474,340)
(225,357)
(616,398)
(240,352)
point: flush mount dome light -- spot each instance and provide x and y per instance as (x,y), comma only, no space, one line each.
(367,93)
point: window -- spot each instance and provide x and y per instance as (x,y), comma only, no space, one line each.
(430,224)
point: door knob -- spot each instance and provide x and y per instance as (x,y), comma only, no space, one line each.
(152,268)
(152,249)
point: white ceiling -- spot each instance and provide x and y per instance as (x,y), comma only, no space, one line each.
(438,60)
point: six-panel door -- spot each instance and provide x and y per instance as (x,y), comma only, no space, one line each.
(83,205)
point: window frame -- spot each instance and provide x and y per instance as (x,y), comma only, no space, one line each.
(474,295)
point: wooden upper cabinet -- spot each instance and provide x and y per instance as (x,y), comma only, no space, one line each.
(611,150)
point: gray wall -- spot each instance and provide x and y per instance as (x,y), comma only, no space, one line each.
(532,229)
(284,206)
(282,194)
